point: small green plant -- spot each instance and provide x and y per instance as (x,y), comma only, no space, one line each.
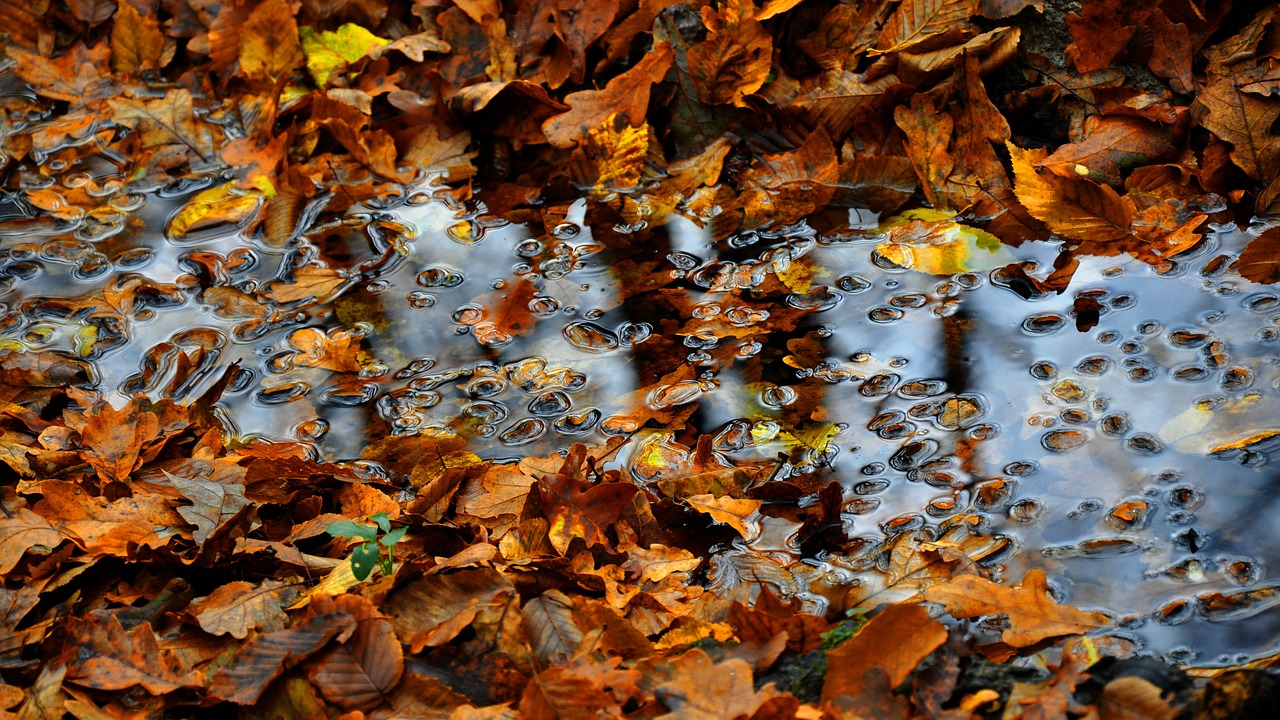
(370,553)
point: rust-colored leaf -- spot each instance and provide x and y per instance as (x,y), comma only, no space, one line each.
(626,95)
(1076,208)
(102,655)
(23,531)
(136,41)
(1033,615)
(895,641)
(246,677)
(239,607)
(1260,260)
(705,690)
(362,669)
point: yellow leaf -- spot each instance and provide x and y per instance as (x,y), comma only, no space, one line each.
(741,515)
(216,206)
(136,41)
(327,51)
(1208,427)
(929,241)
(269,47)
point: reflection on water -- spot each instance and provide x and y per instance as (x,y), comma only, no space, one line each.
(1127,458)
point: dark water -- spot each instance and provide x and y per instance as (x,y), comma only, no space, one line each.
(1130,461)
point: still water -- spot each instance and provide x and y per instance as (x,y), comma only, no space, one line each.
(1128,459)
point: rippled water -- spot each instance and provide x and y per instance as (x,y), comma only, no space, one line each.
(1129,460)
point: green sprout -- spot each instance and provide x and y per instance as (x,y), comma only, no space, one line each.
(370,553)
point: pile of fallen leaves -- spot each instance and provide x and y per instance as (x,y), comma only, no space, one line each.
(156,567)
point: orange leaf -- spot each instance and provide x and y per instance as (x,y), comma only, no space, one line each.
(1245,121)
(21,532)
(309,282)
(1079,209)
(705,690)
(557,693)
(1260,261)
(918,20)
(741,515)
(1033,615)
(548,621)
(626,95)
(102,655)
(1111,145)
(508,314)
(238,607)
(114,438)
(895,641)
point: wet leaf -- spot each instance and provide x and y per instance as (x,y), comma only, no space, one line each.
(213,504)
(741,515)
(137,44)
(23,531)
(221,205)
(1033,615)
(895,642)
(1077,208)
(915,21)
(265,657)
(269,46)
(705,690)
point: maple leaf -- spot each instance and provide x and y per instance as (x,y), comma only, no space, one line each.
(734,60)
(1033,615)
(102,655)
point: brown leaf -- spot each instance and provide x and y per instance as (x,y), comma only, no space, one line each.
(114,438)
(507,314)
(114,528)
(787,186)
(238,607)
(1245,121)
(425,612)
(167,123)
(1132,698)
(918,20)
(1260,260)
(626,95)
(77,76)
(1110,146)
(361,671)
(741,515)
(1033,615)
(269,44)
(558,693)
(705,690)
(895,642)
(1101,30)
(734,60)
(136,41)
(1076,208)
(579,510)
(310,282)
(213,504)
(245,678)
(21,531)
(548,621)
(102,655)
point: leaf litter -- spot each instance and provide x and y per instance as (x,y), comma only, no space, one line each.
(696,553)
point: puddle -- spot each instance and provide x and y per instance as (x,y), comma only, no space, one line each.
(1129,460)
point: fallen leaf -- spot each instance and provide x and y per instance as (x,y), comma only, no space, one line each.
(1033,615)
(895,642)
(102,655)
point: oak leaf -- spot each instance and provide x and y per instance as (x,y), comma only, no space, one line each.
(1033,615)
(102,655)
(626,95)
(735,58)
(702,689)
(577,509)
(213,504)
(112,528)
(310,282)
(1110,146)
(558,692)
(77,76)
(167,123)
(114,439)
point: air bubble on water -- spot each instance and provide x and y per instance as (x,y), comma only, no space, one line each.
(523,431)
(1061,441)
(632,333)
(577,423)
(853,284)
(1044,324)
(590,337)
(820,299)
(885,315)
(440,277)
(679,393)
(777,396)
(468,314)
